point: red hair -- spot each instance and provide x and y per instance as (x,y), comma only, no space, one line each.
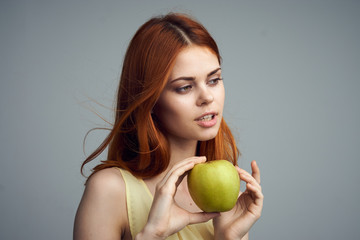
(136,142)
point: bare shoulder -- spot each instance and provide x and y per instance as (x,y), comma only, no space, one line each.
(102,211)
(106,187)
(107,181)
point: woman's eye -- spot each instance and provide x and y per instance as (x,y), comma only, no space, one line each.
(214,81)
(183,89)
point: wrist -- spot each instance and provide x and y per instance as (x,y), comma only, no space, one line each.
(148,234)
(221,236)
(228,235)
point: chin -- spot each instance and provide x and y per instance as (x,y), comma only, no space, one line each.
(208,137)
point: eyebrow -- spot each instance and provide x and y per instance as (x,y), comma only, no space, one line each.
(192,78)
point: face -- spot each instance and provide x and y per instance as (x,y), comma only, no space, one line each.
(190,107)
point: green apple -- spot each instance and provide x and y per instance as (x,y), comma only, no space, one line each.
(214,186)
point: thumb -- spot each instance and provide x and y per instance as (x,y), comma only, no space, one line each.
(201,217)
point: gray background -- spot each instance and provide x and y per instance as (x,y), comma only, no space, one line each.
(291,71)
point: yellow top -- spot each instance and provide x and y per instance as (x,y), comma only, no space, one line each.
(139,200)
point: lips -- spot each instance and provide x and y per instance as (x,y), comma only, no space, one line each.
(207,120)
(206,117)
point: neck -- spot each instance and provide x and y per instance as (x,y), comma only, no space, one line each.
(181,151)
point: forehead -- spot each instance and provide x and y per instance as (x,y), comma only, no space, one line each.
(193,61)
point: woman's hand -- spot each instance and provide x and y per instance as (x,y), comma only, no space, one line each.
(166,217)
(236,223)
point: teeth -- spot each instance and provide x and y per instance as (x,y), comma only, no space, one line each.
(206,118)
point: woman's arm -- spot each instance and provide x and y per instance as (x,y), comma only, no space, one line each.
(102,211)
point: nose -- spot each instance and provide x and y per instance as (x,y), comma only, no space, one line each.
(205,96)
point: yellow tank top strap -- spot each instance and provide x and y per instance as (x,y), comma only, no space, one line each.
(138,200)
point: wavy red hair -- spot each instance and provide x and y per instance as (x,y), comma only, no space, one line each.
(136,142)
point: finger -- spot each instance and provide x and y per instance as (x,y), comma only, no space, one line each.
(195,160)
(181,178)
(180,165)
(178,173)
(256,194)
(198,159)
(169,184)
(256,191)
(255,171)
(201,217)
(247,177)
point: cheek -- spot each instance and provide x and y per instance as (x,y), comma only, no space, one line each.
(220,96)
(171,109)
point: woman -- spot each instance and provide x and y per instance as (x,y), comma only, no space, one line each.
(168,118)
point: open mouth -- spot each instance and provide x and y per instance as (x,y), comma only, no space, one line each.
(207,120)
(208,117)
